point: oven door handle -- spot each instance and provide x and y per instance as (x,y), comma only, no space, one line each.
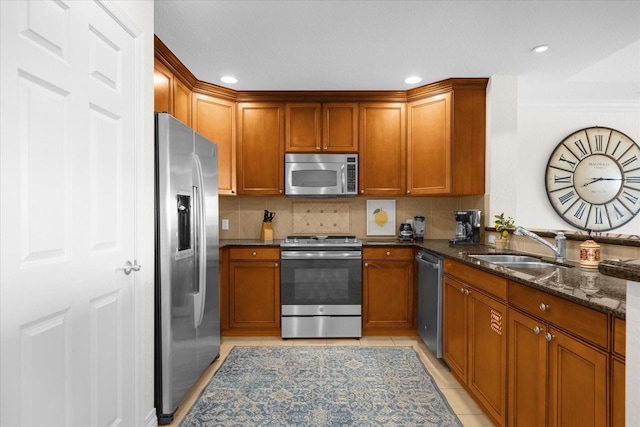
(321,255)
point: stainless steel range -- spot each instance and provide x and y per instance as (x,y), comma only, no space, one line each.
(321,286)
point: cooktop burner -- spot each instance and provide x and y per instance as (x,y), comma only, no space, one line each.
(321,241)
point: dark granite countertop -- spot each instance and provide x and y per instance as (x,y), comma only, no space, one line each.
(586,287)
(627,269)
(602,289)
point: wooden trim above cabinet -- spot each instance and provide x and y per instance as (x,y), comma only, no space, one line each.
(445,86)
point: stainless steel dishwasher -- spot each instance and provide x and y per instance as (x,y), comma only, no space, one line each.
(430,300)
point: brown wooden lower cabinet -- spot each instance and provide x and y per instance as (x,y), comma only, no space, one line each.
(253,292)
(475,344)
(388,291)
(556,378)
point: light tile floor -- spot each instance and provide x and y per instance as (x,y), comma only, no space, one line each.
(462,404)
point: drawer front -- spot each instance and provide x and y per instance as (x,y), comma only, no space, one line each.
(494,285)
(588,324)
(254,253)
(619,336)
(387,253)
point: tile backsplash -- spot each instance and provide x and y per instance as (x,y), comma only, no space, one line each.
(339,216)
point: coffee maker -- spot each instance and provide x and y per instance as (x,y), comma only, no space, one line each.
(467,227)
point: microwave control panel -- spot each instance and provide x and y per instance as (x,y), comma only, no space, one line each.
(351,175)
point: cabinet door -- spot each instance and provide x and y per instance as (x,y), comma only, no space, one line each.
(182,102)
(618,394)
(254,294)
(454,327)
(340,127)
(527,371)
(303,131)
(162,88)
(260,138)
(488,353)
(382,160)
(215,119)
(577,383)
(429,146)
(388,294)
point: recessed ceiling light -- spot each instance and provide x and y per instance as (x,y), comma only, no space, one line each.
(229,79)
(540,49)
(412,80)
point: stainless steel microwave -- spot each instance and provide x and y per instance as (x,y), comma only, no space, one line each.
(321,175)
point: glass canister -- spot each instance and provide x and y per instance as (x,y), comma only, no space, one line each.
(418,228)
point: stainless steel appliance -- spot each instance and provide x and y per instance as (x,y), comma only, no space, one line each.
(430,300)
(187,312)
(321,175)
(418,228)
(405,232)
(321,286)
(467,227)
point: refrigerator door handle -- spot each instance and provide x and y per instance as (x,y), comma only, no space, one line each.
(201,245)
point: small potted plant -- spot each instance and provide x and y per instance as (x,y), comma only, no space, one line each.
(503,225)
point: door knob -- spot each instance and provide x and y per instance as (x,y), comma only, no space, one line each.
(128,267)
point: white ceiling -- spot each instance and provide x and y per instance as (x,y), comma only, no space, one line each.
(375,45)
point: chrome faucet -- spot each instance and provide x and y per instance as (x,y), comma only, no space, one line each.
(560,249)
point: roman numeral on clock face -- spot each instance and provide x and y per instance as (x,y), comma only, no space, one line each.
(580,145)
(563,179)
(598,142)
(565,198)
(569,162)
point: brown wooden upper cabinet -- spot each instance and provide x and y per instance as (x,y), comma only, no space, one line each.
(382,159)
(260,145)
(446,139)
(215,119)
(321,128)
(170,94)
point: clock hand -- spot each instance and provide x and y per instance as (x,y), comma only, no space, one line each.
(602,179)
(592,181)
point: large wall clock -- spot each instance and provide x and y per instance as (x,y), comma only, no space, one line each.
(593,179)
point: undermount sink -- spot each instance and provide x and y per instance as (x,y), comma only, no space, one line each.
(516,261)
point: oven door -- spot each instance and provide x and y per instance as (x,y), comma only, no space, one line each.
(321,283)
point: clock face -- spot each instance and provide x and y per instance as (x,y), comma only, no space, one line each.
(593,179)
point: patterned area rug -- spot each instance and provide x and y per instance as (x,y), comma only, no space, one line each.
(321,386)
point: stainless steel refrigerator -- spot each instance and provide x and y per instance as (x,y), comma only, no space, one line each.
(187,310)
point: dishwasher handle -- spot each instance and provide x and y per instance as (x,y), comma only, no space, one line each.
(429,262)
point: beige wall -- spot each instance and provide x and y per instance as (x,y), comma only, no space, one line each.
(340,216)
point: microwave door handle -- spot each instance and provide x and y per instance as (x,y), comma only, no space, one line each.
(344,181)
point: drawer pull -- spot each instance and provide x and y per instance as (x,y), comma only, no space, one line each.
(537,330)
(544,307)
(366,264)
(388,253)
(254,253)
(276,264)
(549,337)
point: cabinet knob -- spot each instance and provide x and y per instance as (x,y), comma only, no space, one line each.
(408,191)
(544,307)
(276,264)
(361,191)
(366,264)
(462,290)
(537,330)
(388,253)
(318,148)
(549,337)
(280,191)
(254,253)
(467,292)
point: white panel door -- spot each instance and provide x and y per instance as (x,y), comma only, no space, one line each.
(68,173)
